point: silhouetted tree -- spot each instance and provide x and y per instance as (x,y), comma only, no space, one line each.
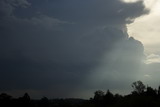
(5,96)
(98,95)
(26,97)
(138,87)
(99,98)
(44,102)
(109,98)
(158,92)
(5,100)
(25,100)
(151,92)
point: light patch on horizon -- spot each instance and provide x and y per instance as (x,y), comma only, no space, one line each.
(146,28)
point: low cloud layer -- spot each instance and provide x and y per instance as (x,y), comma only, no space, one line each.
(68,46)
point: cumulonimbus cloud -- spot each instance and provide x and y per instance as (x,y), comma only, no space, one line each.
(62,44)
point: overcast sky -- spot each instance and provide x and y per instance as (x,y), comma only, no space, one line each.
(71,48)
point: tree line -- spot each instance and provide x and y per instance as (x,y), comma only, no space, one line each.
(141,96)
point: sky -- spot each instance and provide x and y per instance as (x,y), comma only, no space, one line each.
(71,48)
(150,29)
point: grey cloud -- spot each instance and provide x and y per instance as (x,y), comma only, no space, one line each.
(5,9)
(96,12)
(17,3)
(8,6)
(22,3)
(46,21)
(67,42)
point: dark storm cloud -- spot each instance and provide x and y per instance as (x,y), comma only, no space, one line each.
(58,43)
